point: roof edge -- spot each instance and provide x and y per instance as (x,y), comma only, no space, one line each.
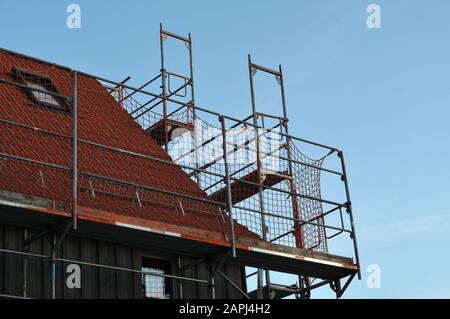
(22,55)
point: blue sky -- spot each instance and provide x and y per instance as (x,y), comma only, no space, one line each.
(381,95)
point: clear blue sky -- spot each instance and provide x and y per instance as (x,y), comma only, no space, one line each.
(383,96)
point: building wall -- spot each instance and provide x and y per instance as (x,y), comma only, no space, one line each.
(96,282)
(223,290)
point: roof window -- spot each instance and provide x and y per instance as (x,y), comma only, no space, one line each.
(40,89)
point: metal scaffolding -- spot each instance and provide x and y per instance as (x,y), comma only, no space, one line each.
(254,175)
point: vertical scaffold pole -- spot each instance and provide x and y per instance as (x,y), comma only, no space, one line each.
(212,284)
(53,267)
(180,273)
(260,190)
(75,150)
(298,234)
(191,70)
(25,267)
(163,87)
(228,185)
(296,211)
(350,211)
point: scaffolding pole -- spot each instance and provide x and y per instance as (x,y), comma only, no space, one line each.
(260,193)
(75,151)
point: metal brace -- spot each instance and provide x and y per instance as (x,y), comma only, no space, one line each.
(41,177)
(181,206)
(221,215)
(138,198)
(91,188)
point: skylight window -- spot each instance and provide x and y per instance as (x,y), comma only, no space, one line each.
(156,286)
(37,86)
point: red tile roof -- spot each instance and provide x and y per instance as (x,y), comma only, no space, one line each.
(103,121)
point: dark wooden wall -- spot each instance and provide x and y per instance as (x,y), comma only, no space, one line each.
(95,282)
(223,290)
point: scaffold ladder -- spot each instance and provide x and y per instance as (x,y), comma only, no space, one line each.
(297,231)
(162,130)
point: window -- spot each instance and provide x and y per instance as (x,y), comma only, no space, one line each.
(36,83)
(154,286)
